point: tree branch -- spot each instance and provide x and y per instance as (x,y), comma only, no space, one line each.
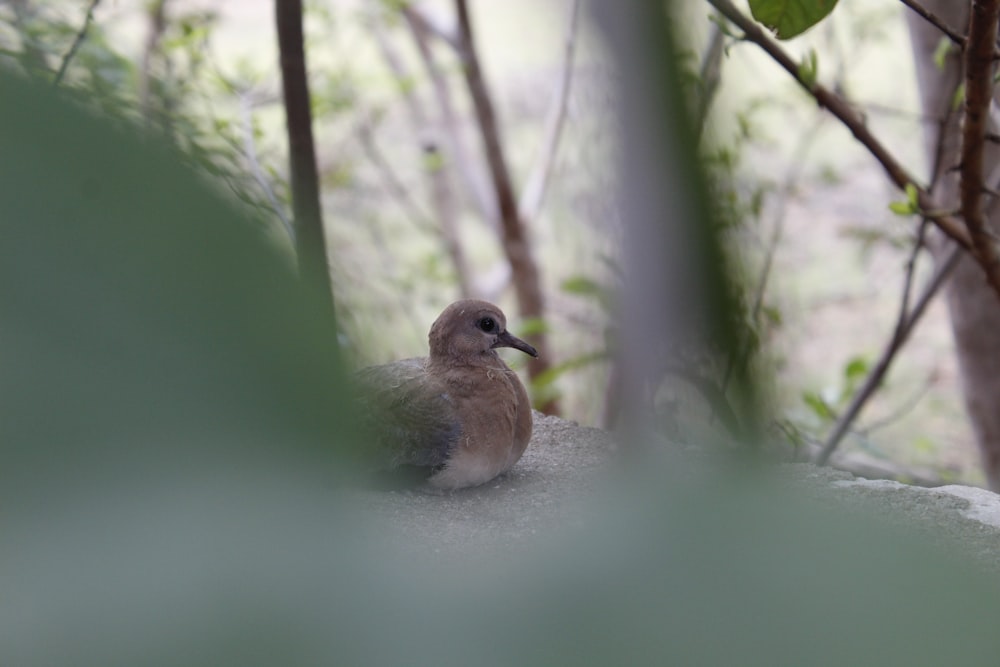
(464,165)
(978,97)
(156,14)
(310,239)
(710,73)
(534,191)
(904,327)
(250,151)
(420,21)
(80,36)
(436,168)
(851,119)
(516,246)
(951,34)
(394,185)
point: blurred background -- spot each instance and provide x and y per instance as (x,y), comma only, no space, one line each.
(410,209)
(175,412)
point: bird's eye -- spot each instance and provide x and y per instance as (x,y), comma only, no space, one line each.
(487,324)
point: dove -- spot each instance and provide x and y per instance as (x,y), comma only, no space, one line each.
(459,417)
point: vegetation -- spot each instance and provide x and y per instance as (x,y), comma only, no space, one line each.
(440,179)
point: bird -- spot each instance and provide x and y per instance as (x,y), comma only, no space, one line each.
(457,418)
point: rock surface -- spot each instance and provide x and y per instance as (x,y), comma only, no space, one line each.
(564,460)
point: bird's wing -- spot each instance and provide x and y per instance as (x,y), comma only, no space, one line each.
(408,414)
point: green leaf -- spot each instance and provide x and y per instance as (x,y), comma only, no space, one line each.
(773,315)
(531,326)
(790,18)
(944,48)
(901,208)
(584,286)
(912,204)
(809,69)
(958,98)
(856,368)
(818,405)
(581,285)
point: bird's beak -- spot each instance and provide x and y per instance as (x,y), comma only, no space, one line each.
(505,339)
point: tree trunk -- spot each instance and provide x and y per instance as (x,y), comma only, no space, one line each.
(972,303)
(310,240)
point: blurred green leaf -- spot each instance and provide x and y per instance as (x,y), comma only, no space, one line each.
(818,405)
(554,372)
(809,69)
(901,208)
(583,286)
(531,326)
(856,368)
(944,47)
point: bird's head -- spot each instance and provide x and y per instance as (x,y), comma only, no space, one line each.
(471,330)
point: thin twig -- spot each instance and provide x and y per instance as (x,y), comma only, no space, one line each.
(923,13)
(422,22)
(978,96)
(156,14)
(436,167)
(80,36)
(393,183)
(711,392)
(534,191)
(710,73)
(881,368)
(851,119)
(458,151)
(911,270)
(739,358)
(898,413)
(907,318)
(250,151)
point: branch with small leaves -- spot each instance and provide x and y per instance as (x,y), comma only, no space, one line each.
(854,121)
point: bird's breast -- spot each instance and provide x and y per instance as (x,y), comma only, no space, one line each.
(492,406)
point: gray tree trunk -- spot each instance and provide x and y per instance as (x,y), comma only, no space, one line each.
(972,304)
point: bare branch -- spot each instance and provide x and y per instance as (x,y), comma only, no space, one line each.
(250,151)
(439,173)
(80,36)
(458,151)
(710,73)
(904,328)
(433,28)
(394,61)
(951,34)
(534,191)
(851,119)
(157,15)
(978,96)
(907,319)
(393,183)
